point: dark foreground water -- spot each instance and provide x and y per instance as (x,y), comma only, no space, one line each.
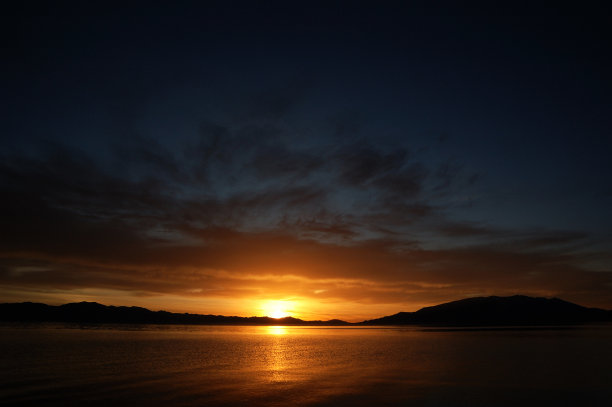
(303,366)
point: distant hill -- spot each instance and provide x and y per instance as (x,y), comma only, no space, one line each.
(92,312)
(515,310)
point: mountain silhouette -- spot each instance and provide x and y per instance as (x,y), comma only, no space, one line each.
(478,311)
(94,313)
(514,310)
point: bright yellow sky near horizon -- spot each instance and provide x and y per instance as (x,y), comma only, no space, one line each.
(274,306)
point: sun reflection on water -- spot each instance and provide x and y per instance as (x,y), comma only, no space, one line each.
(277,330)
(277,354)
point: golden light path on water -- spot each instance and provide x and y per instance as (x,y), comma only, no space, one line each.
(277,358)
(276,330)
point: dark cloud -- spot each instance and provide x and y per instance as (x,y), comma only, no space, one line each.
(447,173)
(322,227)
(354,192)
(361,164)
(457,229)
(405,183)
(278,162)
(269,218)
(136,156)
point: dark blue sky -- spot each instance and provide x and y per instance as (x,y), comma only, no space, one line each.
(445,141)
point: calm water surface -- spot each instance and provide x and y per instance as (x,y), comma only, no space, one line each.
(304,366)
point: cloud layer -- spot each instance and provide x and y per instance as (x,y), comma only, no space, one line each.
(241,212)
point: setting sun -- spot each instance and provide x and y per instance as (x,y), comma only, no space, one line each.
(277,308)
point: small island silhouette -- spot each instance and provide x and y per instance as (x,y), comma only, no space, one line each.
(477,311)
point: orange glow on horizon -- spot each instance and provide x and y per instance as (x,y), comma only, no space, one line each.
(277,308)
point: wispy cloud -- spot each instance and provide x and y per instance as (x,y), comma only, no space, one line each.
(243,213)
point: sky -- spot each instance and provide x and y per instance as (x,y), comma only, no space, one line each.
(316,159)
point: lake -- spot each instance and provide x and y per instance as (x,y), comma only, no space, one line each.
(304,366)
